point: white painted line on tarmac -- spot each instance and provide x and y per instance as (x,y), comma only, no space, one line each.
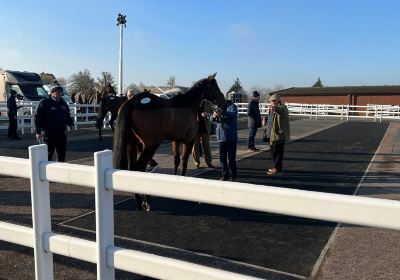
(88,213)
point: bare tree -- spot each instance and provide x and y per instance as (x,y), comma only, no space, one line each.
(171,81)
(62,81)
(105,79)
(132,86)
(142,86)
(47,78)
(82,87)
(263,91)
(278,87)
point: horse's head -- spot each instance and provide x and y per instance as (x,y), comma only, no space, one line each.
(213,93)
(107,90)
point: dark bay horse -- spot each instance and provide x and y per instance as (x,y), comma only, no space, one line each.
(149,119)
(109,102)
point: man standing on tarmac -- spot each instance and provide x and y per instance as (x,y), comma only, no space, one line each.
(12,109)
(51,120)
(254,120)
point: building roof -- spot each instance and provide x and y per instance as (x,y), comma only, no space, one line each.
(166,89)
(346,90)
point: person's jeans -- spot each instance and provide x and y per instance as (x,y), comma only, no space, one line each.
(227,157)
(252,135)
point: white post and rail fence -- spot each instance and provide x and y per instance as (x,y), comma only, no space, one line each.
(315,205)
(85,114)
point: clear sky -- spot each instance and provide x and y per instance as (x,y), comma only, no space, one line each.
(262,42)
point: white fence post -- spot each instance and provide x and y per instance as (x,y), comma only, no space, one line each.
(32,118)
(75,116)
(41,218)
(104,215)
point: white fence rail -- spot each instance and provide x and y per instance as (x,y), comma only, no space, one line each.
(330,207)
(375,112)
(82,114)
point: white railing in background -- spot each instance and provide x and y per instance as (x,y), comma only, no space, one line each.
(82,114)
(85,114)
(315,205)
(375,112)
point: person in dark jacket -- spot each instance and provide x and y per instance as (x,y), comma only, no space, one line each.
(51,119)
(254,120)
(226,132)
(12,109)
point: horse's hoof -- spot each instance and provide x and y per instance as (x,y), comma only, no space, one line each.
(145,206)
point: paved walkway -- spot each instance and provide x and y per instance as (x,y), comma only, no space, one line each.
(361,253)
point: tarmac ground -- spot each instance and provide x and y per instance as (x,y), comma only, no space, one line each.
(325,155)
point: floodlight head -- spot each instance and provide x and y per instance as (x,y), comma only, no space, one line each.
(121,19)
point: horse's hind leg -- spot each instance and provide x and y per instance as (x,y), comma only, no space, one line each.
(143,201)
(186,151)
(177,160)
(133,150)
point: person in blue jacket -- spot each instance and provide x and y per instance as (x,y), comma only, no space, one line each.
(226,132)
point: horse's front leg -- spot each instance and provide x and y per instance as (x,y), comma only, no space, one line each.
(177,160)
(112,120)
(186,151)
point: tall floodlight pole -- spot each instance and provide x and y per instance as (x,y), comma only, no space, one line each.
(121,22)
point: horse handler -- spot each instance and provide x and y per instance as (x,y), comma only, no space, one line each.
(52,117)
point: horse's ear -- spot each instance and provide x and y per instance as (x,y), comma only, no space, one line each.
(212,77)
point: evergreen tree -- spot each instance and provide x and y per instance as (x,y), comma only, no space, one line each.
(237,86)
(318,83)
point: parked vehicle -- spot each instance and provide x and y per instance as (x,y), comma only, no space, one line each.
(28,85)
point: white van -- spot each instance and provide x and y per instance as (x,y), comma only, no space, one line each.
(28,85)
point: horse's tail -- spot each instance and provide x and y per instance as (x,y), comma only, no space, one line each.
(122,136)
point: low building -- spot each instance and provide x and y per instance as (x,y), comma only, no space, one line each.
(237,97)
(166,89)
(346,95)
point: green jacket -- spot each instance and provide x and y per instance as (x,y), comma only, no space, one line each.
(280,131)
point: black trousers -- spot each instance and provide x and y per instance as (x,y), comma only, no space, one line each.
(277,151)
(12,126)
(56,142)
(227,153)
